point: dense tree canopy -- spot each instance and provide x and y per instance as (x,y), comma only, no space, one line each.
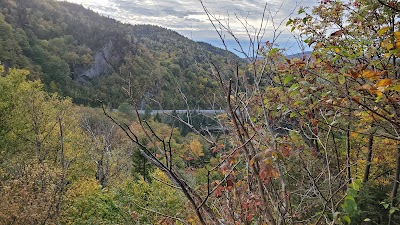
(78,53)
(306,140)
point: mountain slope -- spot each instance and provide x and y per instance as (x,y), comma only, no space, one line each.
(81,54)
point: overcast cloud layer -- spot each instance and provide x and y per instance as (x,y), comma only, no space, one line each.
(188,18)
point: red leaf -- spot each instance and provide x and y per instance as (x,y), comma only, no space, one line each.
(135,215)
(218,191)
(249,217)
(229,183)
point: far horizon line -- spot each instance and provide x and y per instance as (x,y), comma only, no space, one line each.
(230,44)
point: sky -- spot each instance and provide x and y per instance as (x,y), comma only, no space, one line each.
(188,17)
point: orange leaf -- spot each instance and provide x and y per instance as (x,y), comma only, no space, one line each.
(215,149)
(356,98)
(397,44)
(251,162)
(238,184)
(314,122)
(224,167)
(370,74)
(353,73)
(353,134)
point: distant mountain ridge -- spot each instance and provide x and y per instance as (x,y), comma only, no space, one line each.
(89,57)
(306,54)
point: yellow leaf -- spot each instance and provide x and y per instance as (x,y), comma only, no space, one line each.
(384,83)
(397,35)
(337,50)
(383,30)
(387,55)
(389,46)
(197,148)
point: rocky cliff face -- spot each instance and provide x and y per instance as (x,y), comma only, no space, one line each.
(100,66)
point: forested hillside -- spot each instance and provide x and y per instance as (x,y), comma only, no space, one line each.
(78,53)
(308,139)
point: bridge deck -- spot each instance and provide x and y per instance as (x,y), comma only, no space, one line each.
(184,111)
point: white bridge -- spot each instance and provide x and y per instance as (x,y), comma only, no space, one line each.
(184,111)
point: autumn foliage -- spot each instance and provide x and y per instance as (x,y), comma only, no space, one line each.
(305,140)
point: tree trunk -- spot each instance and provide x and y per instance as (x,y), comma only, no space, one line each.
(369,158)
(395,186)
(348,155)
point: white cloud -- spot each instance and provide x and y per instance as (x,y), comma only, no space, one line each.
(188,17)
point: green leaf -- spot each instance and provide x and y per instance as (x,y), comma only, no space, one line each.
(378,98)
(290,21)
(350,198)
(357,184)
(347,219)
(385,205)
(394,88)
(287,79)
(298,103)
(342,80)
(336,215)
(294,87)
(274,50)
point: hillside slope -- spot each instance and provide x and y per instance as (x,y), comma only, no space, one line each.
(88,57)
